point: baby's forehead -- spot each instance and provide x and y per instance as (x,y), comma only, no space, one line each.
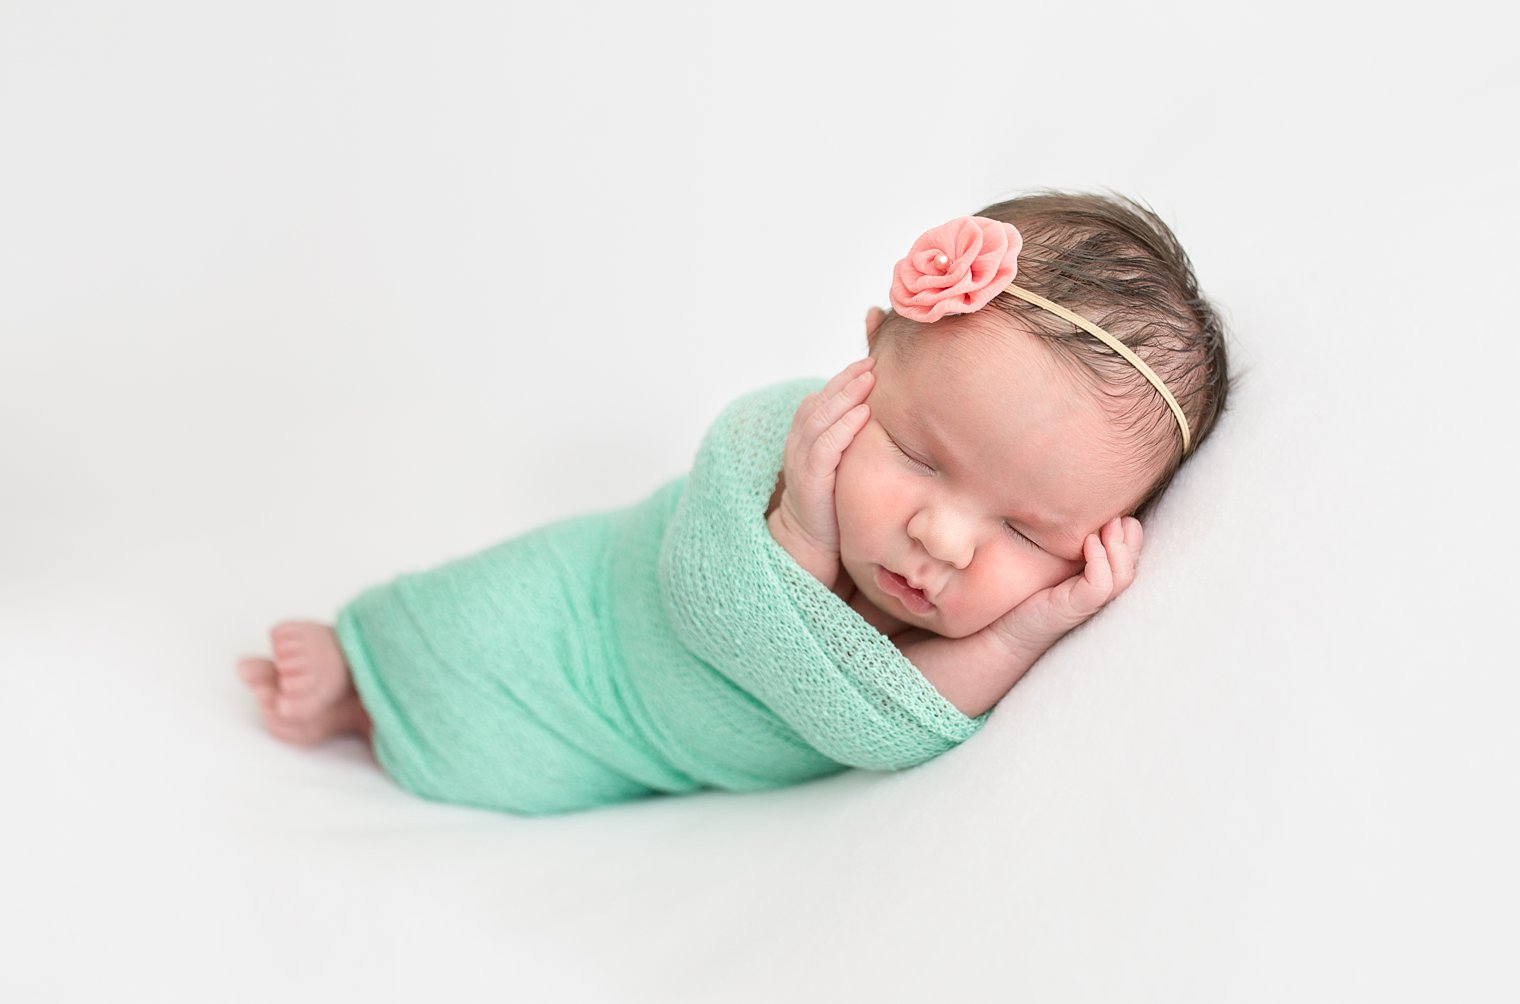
(1002,399)
(975,351)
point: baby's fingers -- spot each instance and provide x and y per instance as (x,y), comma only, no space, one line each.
(1112,557)
(833,405)
(1096,584)
(823,459)
(850,372)
(822,408)
(1122,538)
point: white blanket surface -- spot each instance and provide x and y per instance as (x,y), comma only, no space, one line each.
(273,282)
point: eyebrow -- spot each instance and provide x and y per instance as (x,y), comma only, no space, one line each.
(921,426)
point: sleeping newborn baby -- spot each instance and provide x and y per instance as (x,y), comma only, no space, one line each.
(852,574)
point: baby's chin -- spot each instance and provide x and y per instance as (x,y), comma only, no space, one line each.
(947,630)
(936,622)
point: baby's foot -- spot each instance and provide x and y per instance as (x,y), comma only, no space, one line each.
(345,715)
(311,673)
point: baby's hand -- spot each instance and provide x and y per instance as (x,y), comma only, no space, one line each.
(824,425)
(1112,559)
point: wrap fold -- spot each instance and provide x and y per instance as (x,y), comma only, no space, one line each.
(665,647)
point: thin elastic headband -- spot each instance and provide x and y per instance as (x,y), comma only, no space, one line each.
(960,266)
(1117,346)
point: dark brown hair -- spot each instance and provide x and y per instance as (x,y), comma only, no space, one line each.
(1113,261)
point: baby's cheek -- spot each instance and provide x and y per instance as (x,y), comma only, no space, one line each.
(1008,576)
(1062,569)
(852,451)
(844,488)
(848,475)
(852,492)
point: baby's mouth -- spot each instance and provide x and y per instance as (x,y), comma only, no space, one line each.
(894,585)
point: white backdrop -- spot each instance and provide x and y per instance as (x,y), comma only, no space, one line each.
(295,296)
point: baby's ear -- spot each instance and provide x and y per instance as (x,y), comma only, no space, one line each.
(874,317)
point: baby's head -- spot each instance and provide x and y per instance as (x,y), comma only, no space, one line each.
(999,439)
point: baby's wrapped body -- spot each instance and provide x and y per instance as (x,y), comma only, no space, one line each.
(666,647)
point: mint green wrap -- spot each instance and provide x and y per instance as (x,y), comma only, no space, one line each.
(666,647)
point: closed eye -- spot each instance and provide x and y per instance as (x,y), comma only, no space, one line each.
(915,464)
(1010,528)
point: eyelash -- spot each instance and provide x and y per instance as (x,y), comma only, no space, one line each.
(921,466)
(917,464)
(1009,527)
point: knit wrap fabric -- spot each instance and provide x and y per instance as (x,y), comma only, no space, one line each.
(669,646)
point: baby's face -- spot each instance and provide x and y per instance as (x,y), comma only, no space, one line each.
(976,436)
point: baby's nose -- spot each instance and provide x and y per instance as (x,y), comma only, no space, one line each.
(944,536)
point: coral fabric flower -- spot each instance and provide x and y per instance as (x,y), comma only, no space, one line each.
(956,268)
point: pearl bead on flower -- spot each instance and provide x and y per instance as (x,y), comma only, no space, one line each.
(941,259)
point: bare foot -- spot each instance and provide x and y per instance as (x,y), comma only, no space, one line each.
(305,692)
(311,673)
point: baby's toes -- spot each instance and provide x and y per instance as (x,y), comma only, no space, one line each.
(296,682)
(292,639)
(290,657)
(259,674)
(297,733)
(291,709)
